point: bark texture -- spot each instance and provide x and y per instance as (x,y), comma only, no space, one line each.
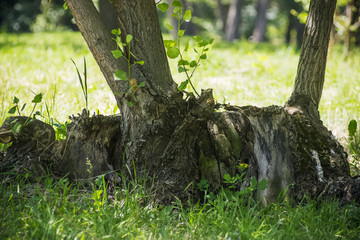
(310,75)
(176,142)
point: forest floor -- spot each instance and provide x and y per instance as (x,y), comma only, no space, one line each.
(240,73)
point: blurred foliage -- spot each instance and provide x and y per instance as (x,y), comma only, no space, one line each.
(35,16)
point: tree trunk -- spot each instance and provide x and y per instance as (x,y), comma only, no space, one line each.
(259,33)
(177,142)
(312,63)
(294,23)
(233,20)
(108,15)
(222,12)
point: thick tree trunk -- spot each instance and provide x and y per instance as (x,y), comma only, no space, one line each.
(259,33)
(176,143)
(312,64)
(233,20)
(108,15)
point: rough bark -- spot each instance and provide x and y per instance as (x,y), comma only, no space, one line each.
(108,15)
(259,33)
(310,75)
(177,142)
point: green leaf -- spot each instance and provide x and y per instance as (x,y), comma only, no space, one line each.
(183,85)
(120,75)
(227,177)
(12,110)
(181,33)
(183,62)
(130,104)
(129,38)
(16,100)
(193,63)
(163,6)
(37,98)
(203,56)
(169,27)
(352,127)
(175,15)
(197,38)
(23,107)
(142,84)
(262,185)
(118,39)
(253,182)
(203,43)
(186,46)
(116,31)
(173,52)
(169,43)
(182,69)
(187,16)
(177,3)
(140,62)
(117,53)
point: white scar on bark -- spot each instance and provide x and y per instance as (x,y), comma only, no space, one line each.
(318,166)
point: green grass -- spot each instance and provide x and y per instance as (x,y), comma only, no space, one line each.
(58,210)
(241,73)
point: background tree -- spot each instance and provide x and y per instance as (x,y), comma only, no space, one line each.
(259,33)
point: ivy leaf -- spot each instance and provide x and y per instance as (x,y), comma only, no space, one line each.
(177,3)
(173,52)
(117,53)
(37,98)
(183,85)
(129,38)
(187,16)
(163,6)
(16,100)
(352,127)
(12,110)
(120,75)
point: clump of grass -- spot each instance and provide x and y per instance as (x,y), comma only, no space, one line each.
(56,208)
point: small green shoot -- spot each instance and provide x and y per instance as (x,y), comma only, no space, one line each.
(83,82)
(126,75)
(174,49)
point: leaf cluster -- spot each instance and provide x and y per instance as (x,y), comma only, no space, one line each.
(174,49)
(120,53)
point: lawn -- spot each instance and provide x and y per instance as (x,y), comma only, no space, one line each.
(240,73)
